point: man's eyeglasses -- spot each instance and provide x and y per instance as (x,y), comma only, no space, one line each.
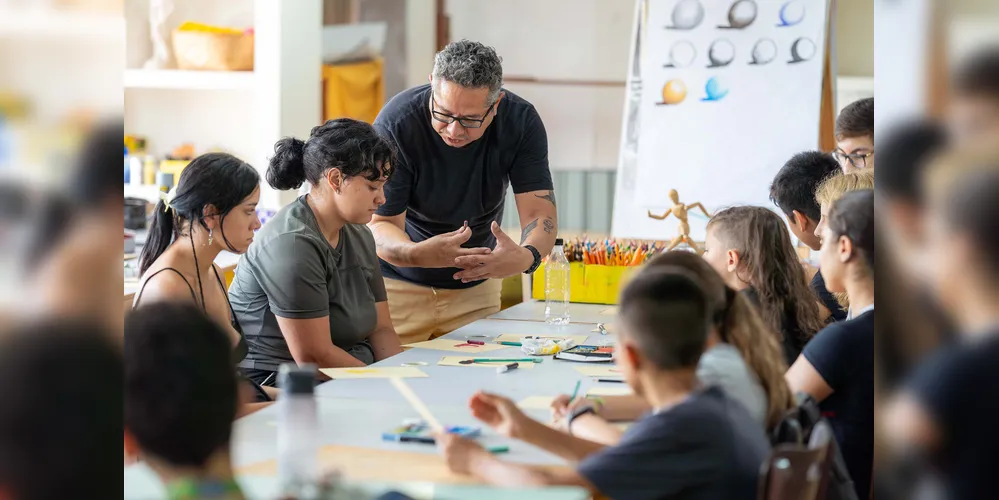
(858,160)
(465,122)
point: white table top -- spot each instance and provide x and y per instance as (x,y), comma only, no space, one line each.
(141,483)
(355,412)
(534,310)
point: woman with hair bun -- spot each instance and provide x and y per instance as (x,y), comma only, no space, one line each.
(310,288)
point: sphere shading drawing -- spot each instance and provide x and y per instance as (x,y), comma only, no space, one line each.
(802,50)
(715,89)
(741,14)
(687,15)
(721,53)
(792,13)
(764,51)
(681,54)
(674,92)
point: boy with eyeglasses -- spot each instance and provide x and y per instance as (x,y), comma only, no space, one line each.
(855,135)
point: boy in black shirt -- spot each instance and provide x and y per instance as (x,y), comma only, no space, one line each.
(793,191)
(696,444)
(180,398)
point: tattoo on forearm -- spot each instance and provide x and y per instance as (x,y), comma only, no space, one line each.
(527,230)
(549,225)
(550,196)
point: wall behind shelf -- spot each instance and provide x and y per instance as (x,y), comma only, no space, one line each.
(208,119)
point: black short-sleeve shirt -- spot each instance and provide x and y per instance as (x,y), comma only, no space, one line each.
(818,285)
(959,388)
(440,186)
(843,354)
(707,447)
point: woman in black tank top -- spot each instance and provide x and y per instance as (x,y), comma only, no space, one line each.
(212,208)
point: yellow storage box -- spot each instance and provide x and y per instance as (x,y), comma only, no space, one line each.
(588,284)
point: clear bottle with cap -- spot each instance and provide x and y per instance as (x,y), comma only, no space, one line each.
(557,286)
(298,431)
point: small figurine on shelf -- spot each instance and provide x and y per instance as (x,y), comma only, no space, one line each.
(679,210)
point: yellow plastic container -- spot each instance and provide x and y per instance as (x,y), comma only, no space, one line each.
(588,284)
(174,167)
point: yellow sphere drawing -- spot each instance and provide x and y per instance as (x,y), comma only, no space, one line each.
(674,92)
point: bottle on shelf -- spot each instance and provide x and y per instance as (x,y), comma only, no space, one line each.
(557,286)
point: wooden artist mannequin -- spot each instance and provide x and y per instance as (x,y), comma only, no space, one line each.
(679,210)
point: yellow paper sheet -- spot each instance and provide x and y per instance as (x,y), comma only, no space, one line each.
(599,371)
(454,361)
(610,311)
(519,337)
(374,372)
(536,403)
(624,390)
(452,345)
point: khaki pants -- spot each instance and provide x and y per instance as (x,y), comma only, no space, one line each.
(423,313)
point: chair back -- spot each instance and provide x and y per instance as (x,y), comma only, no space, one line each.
(794,472)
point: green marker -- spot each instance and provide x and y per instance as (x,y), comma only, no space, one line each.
(575,391)
(500,360)
(504,342)
(498,449)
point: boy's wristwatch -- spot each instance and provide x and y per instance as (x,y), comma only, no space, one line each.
(537,259)
(576,413)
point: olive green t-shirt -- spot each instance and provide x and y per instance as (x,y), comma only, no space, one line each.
(291,271)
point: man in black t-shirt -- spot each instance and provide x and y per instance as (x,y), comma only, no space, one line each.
(461,140)
(793,191)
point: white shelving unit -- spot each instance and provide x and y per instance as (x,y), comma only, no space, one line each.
(148,193)
(190,80)
(243,112)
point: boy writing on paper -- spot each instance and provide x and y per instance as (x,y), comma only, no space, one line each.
(696,442)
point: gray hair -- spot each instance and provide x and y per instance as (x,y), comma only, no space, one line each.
(471,65)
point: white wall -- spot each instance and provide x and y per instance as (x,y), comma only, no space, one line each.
(589,40)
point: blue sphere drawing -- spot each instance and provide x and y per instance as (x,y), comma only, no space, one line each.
(715,89)
(792,13)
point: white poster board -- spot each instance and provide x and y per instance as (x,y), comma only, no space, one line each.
(729,91)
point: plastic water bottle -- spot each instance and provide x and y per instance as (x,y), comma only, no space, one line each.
(298,431)
(557,286)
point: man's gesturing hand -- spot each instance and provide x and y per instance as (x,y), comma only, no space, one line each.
(444,249)
(507,259)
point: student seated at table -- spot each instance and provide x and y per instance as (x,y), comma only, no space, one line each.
(696,443)
(61,411)
(310,289)
(831,190)
(793,191)
(751,249)
(837,366)
(947,411)
(742,357)
(855,135)
(180,399)
(213,208)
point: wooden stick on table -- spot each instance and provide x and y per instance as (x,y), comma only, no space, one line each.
(416,403)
